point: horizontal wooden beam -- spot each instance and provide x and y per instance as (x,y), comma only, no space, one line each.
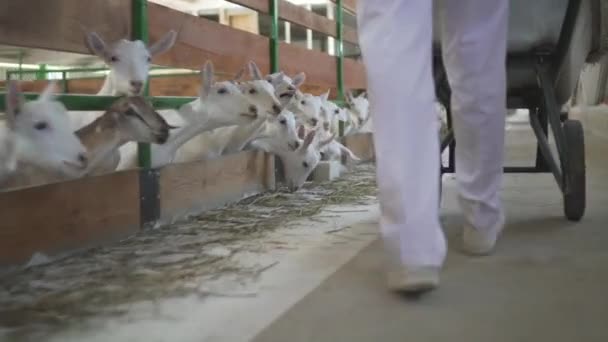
(230,49)
(60,26)
(301,16)
(361,144)
(191,188)
(56,218)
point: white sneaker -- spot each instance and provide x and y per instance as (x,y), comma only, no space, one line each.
(478,242)
(413,279)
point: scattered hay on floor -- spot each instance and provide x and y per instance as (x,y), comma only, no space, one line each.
(176,260)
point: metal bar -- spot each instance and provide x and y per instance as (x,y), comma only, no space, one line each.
(64,79)
(541,162)
(20,64)
(522,169)
(340,58)
(273,11)
(565,35)
(17,71)
(449,138)
(543,144)
(149,200)
(507,169)
(140,31)
(96,102)
(553,114)
(273,7)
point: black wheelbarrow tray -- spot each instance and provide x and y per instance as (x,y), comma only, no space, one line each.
(549,43)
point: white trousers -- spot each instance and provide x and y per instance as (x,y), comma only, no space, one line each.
(396,44)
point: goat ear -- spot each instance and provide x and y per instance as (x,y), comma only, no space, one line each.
(48,94)
(325,95)
(254,71)
(163,44)
(363,95)
(207,78)
(309,139)
(238,75)
(14,102)
(299,79)
(346,151)
(326,141)
(96,45)
(301,131)
(349,95)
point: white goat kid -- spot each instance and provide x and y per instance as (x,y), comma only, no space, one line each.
(259,91)
(219,104)
(279,130)
(331,114)
(357,113)
(129,63)
(39,134)
(290,96)
(297,164)
(128,119)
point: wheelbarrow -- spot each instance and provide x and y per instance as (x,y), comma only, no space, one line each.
(549,43)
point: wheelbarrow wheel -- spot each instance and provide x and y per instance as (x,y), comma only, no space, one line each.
(574,173)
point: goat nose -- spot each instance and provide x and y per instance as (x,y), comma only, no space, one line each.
(276,108)
(137,85)
(82,158)
(253,109)
(314,121)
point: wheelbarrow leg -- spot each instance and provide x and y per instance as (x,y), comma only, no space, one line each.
(570,143)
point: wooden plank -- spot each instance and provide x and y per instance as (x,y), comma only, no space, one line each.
(199,40)
(60,217)
(354,74)
(191,188)
(230,49)
(362,145)
(57,25)
(301,16)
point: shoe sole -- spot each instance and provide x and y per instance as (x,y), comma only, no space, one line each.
(413,286)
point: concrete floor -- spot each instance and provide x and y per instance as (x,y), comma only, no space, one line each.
(547,281)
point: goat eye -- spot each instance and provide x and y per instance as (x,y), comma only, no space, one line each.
(303,103)
(290,88)
(222,91)
(305,164)
(149,59)
(114,59)
(252,91)
(336,111)
(283,122)
(41,126)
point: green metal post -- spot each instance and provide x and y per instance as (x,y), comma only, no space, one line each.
(340,59)
(140,31)
(273,6)
(41,72)
(20,65)
(64,79)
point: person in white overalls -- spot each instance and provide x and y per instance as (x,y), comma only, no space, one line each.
(395,37)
